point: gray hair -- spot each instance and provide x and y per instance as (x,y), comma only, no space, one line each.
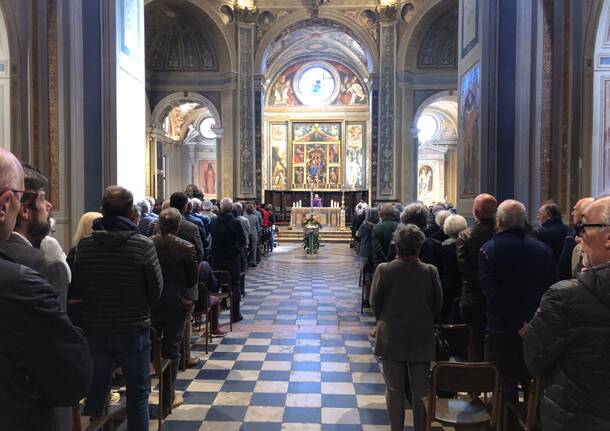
(604,214)
(441,216)
(144,206)
(415,213)
(10,169)
(454,224)
(512,214)
(226,205)
(408,239)
(372,215)
(196,203)
(169,220)
(237,206)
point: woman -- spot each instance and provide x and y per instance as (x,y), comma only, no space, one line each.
(84,228)
(406,296)
(365,234)
(451,279)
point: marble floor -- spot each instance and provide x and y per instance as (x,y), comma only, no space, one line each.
(300,360)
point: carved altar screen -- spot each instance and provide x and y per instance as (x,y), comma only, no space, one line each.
(316,156)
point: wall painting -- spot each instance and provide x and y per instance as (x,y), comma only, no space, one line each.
(469,14)
(470,112)
(316,156)
(354,156)
(207,177)
(278,133)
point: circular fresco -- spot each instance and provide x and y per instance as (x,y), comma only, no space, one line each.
(317,84)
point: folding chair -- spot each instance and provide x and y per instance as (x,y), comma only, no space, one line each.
(202,308)
(460,340)
(526,412)
(224,282)
(471,378)
(161,367)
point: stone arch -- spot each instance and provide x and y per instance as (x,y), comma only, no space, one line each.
(448,95)
(167,103)
(302,15)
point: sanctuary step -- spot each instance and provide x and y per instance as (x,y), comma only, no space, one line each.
(285,234)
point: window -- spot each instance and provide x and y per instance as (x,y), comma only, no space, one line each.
(316,85)
(206,128)
(428,128)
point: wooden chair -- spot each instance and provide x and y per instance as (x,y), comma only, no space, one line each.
(224,283)
(471,378)
(161,367)
(204,311)
(526,412)
(460,339)
(107,422)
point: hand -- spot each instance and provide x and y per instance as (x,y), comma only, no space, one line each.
(524,329)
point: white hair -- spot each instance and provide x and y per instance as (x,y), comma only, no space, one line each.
(441,216)
(512,214)
(196,204)
(454,224)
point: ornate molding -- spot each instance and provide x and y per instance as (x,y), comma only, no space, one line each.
(387,90)
(246,15)
(387,13)
(246,150)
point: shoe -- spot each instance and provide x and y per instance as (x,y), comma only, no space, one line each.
(238,319)
(192,362)
(178,401)
(217,333)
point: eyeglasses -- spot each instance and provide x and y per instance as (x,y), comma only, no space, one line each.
(580,228)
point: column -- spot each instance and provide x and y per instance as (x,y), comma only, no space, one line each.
(386,147)
(219,131)
(246,151)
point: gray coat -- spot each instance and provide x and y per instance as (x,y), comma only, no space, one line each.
(406,296)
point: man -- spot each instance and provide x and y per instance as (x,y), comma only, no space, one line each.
(34,326)
(515,271)
(32,226)
(206,210)
(569,242)
(146,217)
(568,340)
(179,266)
(238,213)
(201,226)
(552,231)
(227,242)
(382,233)
(468,245)
(116,275)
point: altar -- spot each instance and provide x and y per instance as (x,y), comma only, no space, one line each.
(328,216)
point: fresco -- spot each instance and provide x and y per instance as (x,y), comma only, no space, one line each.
(470,112)
(279,143)
(354,156)
(207,178)
(316,155)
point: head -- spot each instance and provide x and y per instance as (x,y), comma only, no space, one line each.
(372,215)
(215,210)
(196,203)
(226,205)
(549,211)
(408,239)
(453,225)
(179,200)
(238,208)
(316,196)
(440,217)
(33,220)
(85,225)
(511,215)
(484,207)
(116,202)
(151,201)
(386,211)
(415,213)
(207,205)
(249,209)
(134,214)
(169,221)
(144,206)
(192,191)
(579,208)
(165,204)
(595,240)
(438,207)
(11,192)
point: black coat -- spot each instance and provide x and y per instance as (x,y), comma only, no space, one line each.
(179,267)
(44,359)
(568,344)
(227,238)
(552,233)
(451,279)
(118,277)
(188,232)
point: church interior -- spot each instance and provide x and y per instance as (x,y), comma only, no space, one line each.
(320,110)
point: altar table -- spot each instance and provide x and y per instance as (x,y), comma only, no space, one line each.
(330,217)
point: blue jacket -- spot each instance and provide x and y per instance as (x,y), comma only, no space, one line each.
(515,270)
(552,233)
(203,232)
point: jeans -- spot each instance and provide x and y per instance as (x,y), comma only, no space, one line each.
(395,374)
(132,353)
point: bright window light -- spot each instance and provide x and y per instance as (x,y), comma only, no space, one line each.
(428,128)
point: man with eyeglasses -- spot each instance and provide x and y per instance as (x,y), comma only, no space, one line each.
(568,340)
(44,359)
(32,225)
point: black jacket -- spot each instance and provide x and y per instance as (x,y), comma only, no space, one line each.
(552,233)
(179,266)
(227,238)
(44,359)
(188,232)
(117,275)
(568,344)
(381,239)
(468,245)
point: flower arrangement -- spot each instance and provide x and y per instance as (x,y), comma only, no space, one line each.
(311,240)
(311,220)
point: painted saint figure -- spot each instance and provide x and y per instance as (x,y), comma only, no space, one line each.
(279,175)
(209,180)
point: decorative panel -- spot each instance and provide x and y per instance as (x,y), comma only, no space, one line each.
(387,93)
(355,167)
(246,150)
(470,113)
(278,142)
(469,25)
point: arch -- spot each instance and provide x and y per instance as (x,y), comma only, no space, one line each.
(169,102)
(303,15)
(436,97)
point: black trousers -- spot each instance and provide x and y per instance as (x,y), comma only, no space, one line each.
(233,267)
(506,353)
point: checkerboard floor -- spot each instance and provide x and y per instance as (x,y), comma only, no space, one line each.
(301,359)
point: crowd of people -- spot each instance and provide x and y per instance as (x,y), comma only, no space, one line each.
(537,300)
(133,266)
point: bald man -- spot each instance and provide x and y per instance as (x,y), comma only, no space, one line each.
(569,243)
(44,359)
(469,242)
(568,339)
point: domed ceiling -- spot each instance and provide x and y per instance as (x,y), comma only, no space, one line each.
(178,38)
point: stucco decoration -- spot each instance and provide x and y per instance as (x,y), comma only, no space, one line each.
(246,148)
(439,48)
(387,80)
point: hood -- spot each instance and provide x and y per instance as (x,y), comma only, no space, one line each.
(109,239)
(597,280)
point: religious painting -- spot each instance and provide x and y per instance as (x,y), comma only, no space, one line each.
(425,180)
(354,156)
(470,25)
(279,143)
(299,154)
(470,112)
(207,177)
(317,84)
(316,155)
(333,176)
(299,177)
(605,162)
(333,153)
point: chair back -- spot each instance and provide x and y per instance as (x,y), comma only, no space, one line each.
(460,340)
(157,359)
(471,377)
(224,280)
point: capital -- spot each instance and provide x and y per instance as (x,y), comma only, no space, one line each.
(387,13)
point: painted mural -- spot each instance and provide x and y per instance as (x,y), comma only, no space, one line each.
(207,178)
(279,144)
(470,112)
(316,155)
(605,172)
(341,85)
(354,156)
